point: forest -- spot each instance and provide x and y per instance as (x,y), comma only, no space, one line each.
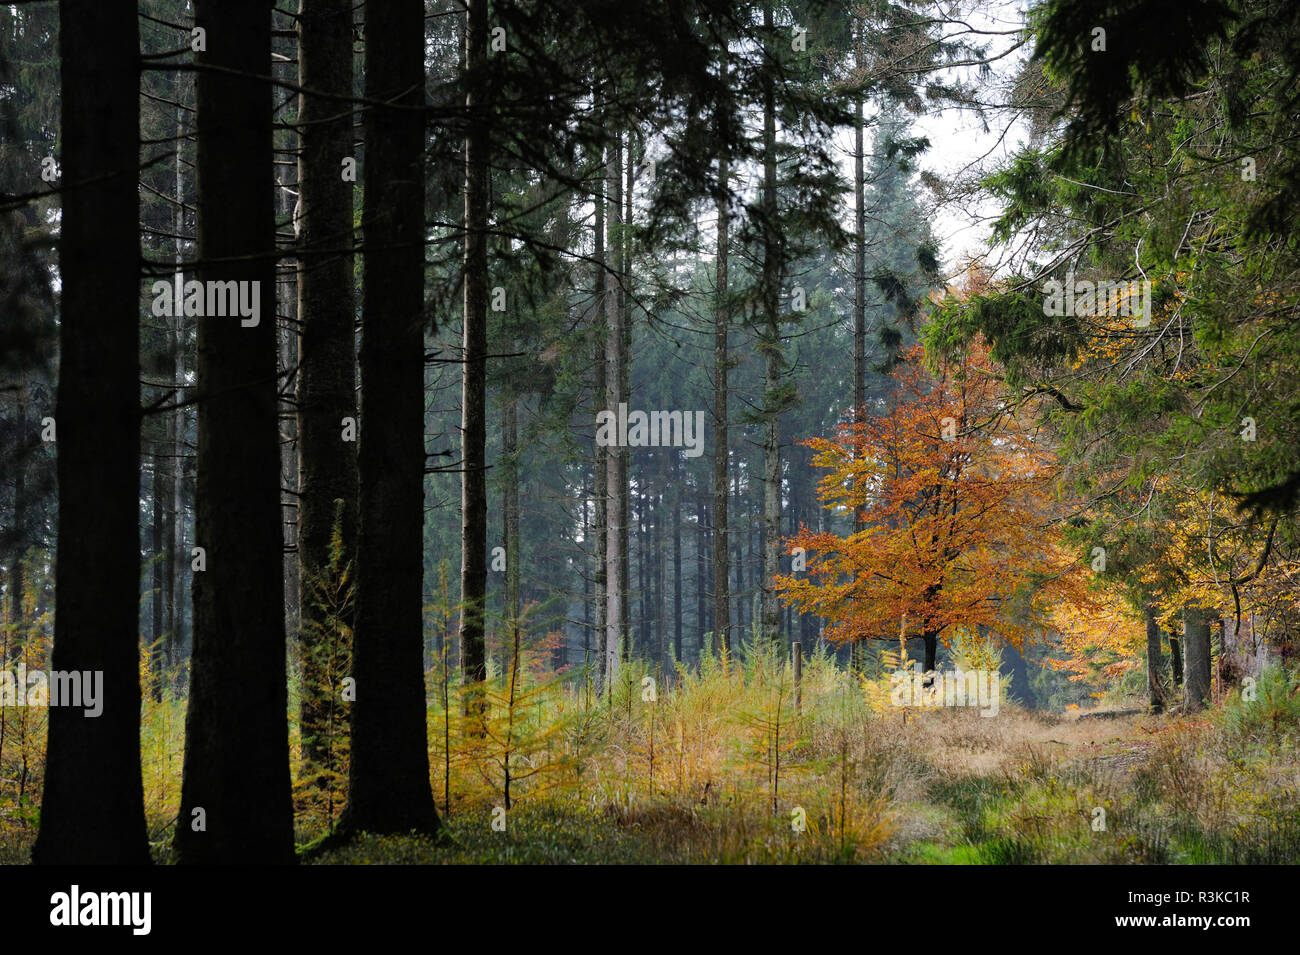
(678,431)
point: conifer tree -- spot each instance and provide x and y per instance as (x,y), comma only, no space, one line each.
(92,811)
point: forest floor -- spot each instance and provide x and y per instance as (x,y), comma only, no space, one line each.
(942,787)
(721,769)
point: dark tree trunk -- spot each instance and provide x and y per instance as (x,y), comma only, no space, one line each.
(858,650)
(753,577)
(510,505)
(615,457)
(931,653)
(859,277)
(239,640)
(1176,658)
(677,556)
(655,579)
(170,576)
(701,573)
(157,573)
(16,582)
(287,356)
(807,623)
(600,495)
(389,787)
(737,561)
(859,261)
(92,811)
(791,528)
(625,381)
(658,581)
(587,533)
(707,556)
(721,366)
(1155,690)
(771,348)
(636,533)
(1196,639)
(327,353)
(473,495)
(661,601)
(645,570)
(179,563)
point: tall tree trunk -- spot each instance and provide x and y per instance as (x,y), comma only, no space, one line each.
(931,641)
(677,556)
(246,815)
(702,573)
(287,352)
(157,572)
(600,463)
(661,604)
(636,501)
(16,582)
(721,366)
(1196,645)
(859,280)
(176,522)
(1155,690)
(739,541)
(769,606)
(624,251)
(858,650)
(649,572)
(859,257)
(588,531)
(389,787)
(510,504)
(658,580)
(92,811)
(473,494)
(327,351)
(1176,658)
(615,456)
(706,555)
(807,622)
(167,558)
(176,578)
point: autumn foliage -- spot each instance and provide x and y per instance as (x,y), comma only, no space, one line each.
(954,489)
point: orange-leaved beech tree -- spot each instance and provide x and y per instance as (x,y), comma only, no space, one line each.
(958,532)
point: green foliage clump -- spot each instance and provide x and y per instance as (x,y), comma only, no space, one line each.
(1272,717)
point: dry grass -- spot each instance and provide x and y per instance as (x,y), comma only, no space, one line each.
(716,765)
